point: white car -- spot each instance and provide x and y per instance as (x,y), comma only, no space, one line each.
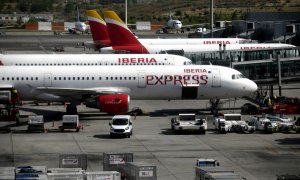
(121,125)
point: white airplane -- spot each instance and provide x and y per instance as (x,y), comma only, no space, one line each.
(122,39)
(79,26)
(110,89)
(101,37)
(91,59)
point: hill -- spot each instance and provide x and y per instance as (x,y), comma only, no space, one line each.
(188,11)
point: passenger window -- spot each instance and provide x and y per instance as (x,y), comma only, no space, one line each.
(55,78)
(26,78)
(17,78)
(31,78)
(129,78)
(59,78)
(69,78)
(7,78)
(87,78)
(78,78)
(233,76)
(22,78)
(111,78)
(116,78)
(12,78)
(74,78)
(36,78)
(92,78)
(3,79)
(99,78)
(82,78)
(65,78)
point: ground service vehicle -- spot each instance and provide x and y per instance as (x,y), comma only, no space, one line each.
(121,125)
(262,124)
(189,122)
(203,162)
(70,122)
(286,105)
(232,123)
(296,126)
(284,124)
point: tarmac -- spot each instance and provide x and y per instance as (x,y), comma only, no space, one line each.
(253,156)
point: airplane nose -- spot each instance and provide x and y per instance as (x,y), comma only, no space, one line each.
(251,86)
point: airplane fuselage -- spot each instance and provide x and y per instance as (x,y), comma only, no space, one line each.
(91,59)
(140,82)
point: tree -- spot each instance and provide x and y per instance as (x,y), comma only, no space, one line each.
(234,15)
(23,6)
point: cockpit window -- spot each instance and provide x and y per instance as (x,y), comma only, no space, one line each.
(238,76)
(187,63)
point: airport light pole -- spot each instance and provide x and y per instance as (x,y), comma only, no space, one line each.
(212,17)
(279,72)
(126,12)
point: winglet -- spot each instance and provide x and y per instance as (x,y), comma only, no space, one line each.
(98,27)
(119,33)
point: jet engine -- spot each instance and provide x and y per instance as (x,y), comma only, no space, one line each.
(111,103)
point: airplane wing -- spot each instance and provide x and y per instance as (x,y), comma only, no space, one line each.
(77,93)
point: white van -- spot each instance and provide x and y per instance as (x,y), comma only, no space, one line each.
(121,125)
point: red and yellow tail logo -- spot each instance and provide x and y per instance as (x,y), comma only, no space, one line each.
(119,33)
(98,27)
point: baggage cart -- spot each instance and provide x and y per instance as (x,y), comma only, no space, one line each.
(201,172)
(70,122)
(31,172)
(66,175)
(107,175)
(73,161)
(139,171)
(115,161)
(35,123)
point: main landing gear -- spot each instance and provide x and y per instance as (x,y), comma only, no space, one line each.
(214,108)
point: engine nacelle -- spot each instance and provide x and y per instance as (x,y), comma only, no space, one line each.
(111,103)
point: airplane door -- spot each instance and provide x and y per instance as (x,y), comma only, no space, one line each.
(141,80)
(216,78)
(47,80)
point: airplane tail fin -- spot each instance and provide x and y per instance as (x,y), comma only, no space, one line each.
(98,27)
(119,33)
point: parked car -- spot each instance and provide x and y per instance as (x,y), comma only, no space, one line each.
(121,125)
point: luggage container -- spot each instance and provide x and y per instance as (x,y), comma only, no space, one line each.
(66,176)
(70,122)
(31,172)
(73,161)
(35,123)
(5,97)
(223,176)
(7,173)
(61,170)
(107,175)
(200,172)
(115,161)
(139,171)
